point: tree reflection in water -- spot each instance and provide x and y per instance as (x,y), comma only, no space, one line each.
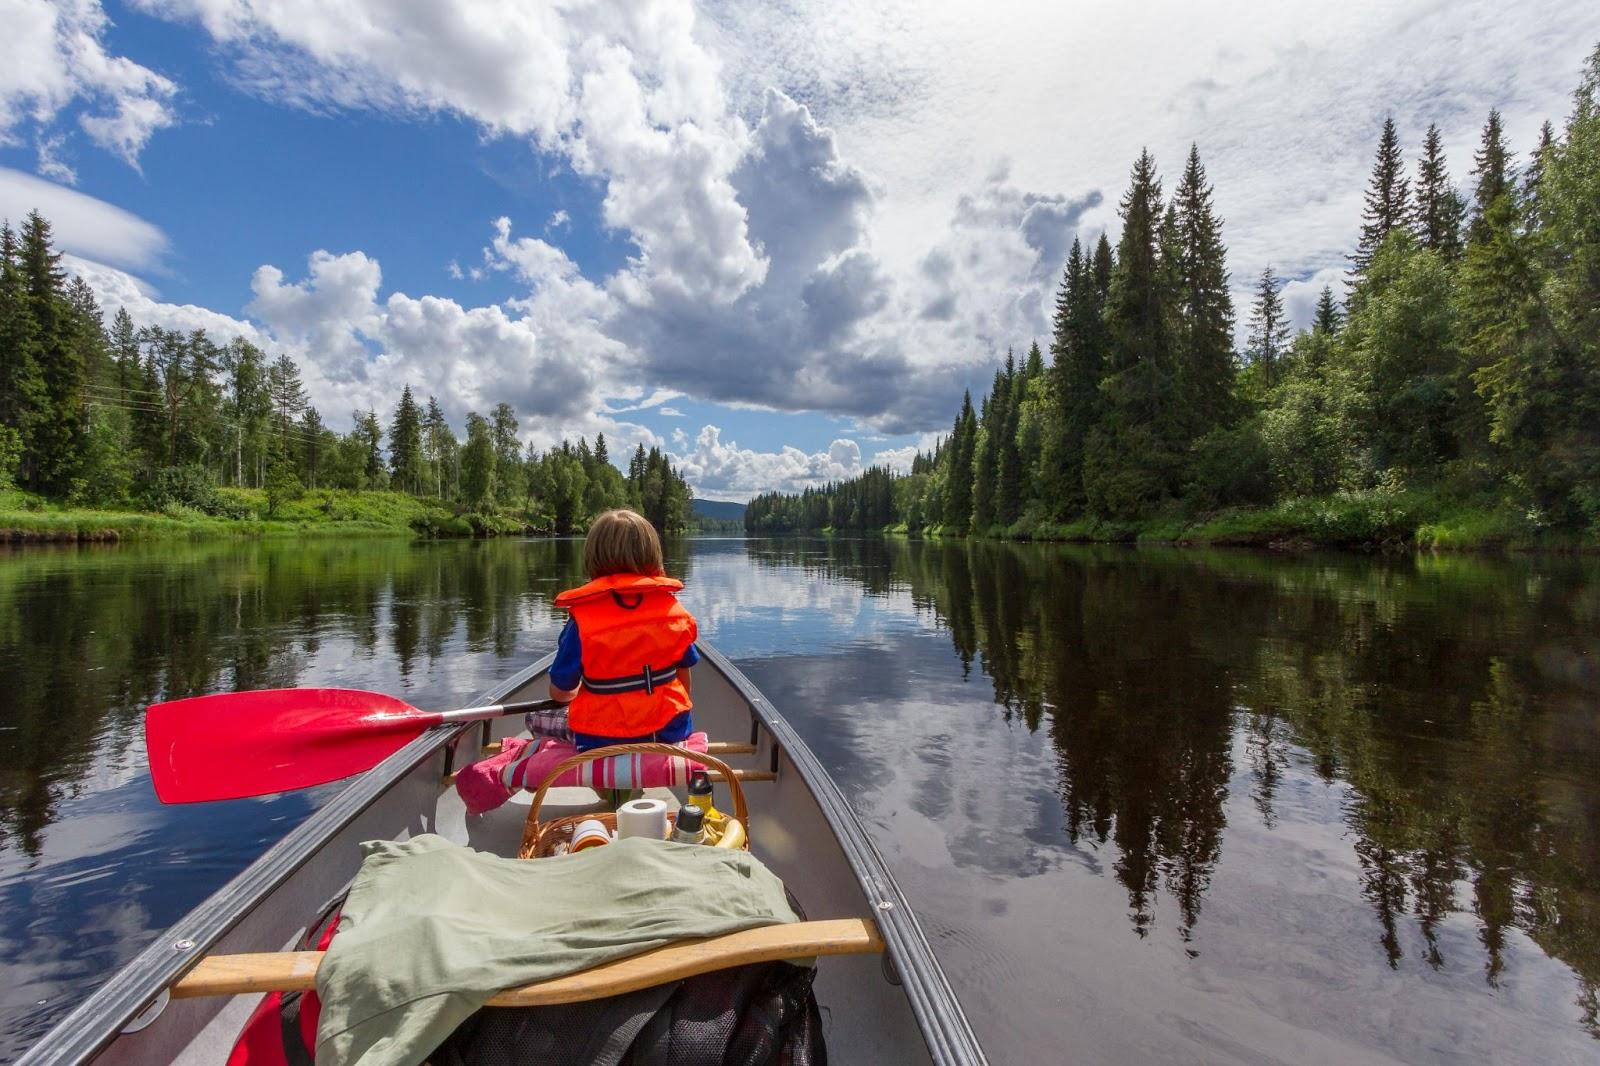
(1454,696)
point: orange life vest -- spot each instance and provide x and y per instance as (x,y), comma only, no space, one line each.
(633,633)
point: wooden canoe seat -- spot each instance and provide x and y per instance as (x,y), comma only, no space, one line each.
(296,971)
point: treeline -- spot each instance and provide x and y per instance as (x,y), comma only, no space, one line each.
(1465,362)
(158,419)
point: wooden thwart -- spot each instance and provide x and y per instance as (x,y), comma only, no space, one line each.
(296,971)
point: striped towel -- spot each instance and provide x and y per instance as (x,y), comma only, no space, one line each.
(616,771)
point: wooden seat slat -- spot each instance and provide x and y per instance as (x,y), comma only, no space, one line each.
(292,971)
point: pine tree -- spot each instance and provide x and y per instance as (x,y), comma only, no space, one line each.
(1328,316)
(1388,198)
(1269,328)
(1492,171)
(1207,368)
(600,453)
(1439,208)
(405,444)
(288,395)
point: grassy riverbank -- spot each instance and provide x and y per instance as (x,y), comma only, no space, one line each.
(27,518)
(1368,520)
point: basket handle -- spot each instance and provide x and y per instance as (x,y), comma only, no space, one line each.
(741,811)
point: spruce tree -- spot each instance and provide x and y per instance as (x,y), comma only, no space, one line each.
(1534,217)
(1269,328)
(440,445)
(125,349)
(1388,198)
(1009,471)
(52,450)
(311,442)
(958,475)
(986,460)
(1328,317)
(369,433)
(600,454)
(1136,312)
(1492,173)
(1439,208)
(22,396)
(1207,363)
(405,444)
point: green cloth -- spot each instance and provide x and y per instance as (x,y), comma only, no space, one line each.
(431,930)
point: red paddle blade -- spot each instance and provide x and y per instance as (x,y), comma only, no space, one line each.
(272,740)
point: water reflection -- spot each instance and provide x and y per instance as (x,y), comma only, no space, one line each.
(91,865)
(1178,805)
(1451,699)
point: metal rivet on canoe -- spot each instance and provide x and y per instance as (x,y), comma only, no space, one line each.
(886,905)
(183,945)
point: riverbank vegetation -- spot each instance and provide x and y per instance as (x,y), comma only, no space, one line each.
(147,431)
(1452,400)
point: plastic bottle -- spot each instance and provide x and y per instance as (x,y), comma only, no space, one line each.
(700,796)
(690,825)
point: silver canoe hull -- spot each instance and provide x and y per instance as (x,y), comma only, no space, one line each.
(893,1008)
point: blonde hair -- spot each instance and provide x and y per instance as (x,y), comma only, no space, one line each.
(622,542)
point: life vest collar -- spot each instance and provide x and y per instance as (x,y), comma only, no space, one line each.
(601,586)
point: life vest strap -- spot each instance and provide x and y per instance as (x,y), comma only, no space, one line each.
(641,682)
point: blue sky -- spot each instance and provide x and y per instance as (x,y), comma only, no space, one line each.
(777,242)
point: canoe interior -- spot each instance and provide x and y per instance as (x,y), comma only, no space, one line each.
(867,1016)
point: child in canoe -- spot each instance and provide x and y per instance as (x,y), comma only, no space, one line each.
(623,659)
(622,666)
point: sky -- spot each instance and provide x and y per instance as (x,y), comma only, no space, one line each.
(777,240)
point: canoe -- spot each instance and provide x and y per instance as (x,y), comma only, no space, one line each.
(884,997)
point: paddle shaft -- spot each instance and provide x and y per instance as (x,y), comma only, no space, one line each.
(496,710)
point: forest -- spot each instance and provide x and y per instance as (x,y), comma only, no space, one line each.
(162,421)
(1457,383)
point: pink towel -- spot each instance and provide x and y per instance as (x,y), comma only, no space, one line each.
(523,763)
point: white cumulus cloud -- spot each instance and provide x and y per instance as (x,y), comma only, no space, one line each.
(54,57)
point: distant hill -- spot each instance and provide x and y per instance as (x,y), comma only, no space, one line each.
(717,509)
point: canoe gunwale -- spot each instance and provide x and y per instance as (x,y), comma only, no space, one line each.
(96,1022)
(938,1011)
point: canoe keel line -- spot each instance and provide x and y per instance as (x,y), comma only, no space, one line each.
(809,836)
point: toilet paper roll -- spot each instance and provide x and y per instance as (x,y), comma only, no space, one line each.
(642,818)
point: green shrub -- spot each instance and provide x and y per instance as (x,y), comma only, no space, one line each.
(185,486)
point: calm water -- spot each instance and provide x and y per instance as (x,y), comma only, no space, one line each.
(1151,805)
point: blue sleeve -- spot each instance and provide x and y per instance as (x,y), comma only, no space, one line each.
(567,670)
(690,656)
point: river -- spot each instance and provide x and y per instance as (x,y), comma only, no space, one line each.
(1150,804)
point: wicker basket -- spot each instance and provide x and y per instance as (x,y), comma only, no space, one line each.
(539,839)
